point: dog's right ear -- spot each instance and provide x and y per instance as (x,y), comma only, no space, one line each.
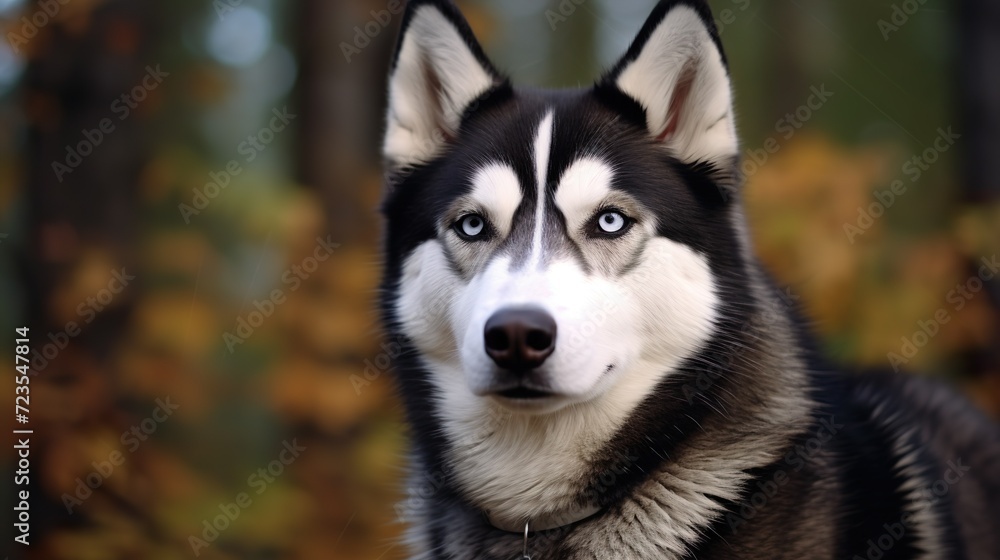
(439,71)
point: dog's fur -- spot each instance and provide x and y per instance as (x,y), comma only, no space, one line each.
(686,406)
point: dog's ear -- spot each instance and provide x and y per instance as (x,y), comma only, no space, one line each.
(439,70)
(676,71)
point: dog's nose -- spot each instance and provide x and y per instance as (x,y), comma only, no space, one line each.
(520,338)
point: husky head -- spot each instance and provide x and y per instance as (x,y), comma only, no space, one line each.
(554,259)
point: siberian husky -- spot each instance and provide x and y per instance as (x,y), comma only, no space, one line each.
(592,361)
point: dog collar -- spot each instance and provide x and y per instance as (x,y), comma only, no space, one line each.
(545,522)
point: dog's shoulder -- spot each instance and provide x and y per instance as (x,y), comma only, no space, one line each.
(946,420)
(947,449)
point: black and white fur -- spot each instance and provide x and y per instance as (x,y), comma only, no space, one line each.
(684,414)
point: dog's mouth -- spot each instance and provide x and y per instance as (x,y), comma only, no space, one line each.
(524,393)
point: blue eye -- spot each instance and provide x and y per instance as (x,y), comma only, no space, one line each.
(471,227)
(611,222)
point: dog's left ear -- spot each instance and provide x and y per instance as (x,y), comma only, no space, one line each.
(676,71)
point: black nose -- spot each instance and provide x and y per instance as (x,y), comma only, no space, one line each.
(520,338)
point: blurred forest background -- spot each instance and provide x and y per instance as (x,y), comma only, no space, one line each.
(243,159)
